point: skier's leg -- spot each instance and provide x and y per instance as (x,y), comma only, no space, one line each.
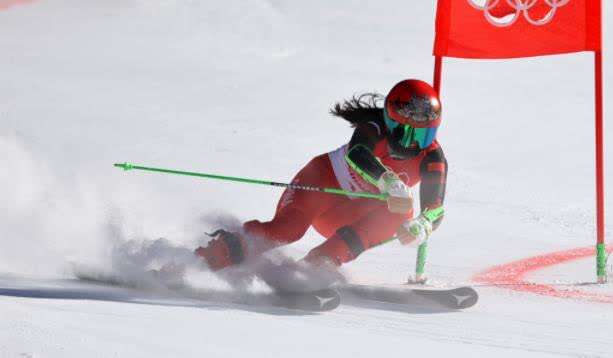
(349,241)
(295,212)
(297,209)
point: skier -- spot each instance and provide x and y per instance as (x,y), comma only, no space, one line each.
(392,149)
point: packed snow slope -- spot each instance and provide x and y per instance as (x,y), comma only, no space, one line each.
(243,88)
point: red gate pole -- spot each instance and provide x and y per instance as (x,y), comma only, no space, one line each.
(438,67)
(601,259)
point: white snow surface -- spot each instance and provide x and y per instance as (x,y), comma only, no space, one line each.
(243,87)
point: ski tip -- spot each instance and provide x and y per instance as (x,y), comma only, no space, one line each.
(464,297)
(451,299)
(457,298)
(124,166)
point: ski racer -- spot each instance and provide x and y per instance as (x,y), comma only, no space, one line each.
(392,149)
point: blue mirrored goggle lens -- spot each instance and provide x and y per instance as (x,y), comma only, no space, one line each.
(423,136)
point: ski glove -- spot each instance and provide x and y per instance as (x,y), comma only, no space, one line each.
(415,231)
(400,200)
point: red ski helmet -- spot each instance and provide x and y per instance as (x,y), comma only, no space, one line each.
(412,113)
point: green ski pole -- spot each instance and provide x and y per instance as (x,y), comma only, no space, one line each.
(422,250)
(128,166)
(420,264)
(432,215)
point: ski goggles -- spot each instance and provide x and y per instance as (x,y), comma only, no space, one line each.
(406,135)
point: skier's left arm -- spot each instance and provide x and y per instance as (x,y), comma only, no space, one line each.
(433,172)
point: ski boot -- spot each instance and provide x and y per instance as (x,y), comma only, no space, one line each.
(226,249)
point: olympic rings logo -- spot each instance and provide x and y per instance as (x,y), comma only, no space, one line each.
(520,7)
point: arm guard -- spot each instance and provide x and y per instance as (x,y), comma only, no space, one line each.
(360,156)
(363,161)
(433,170)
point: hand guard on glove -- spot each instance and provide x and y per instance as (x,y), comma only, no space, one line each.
(400,200)
(415,231)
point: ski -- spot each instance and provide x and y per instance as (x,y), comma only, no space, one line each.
(455,298)
(312,301)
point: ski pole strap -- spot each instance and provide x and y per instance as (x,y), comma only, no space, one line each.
(128,166)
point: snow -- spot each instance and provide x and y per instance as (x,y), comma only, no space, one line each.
(243,88)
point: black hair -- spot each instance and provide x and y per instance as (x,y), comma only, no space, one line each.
(360,108)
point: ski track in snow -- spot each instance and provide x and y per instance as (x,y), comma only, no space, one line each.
(243,88)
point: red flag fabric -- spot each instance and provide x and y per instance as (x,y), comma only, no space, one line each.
(516,28)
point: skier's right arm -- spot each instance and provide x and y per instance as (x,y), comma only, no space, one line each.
(362,160)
